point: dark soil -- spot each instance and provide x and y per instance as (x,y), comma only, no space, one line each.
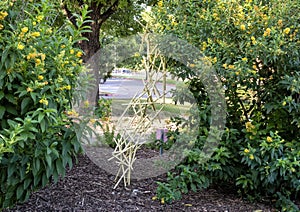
(87,187)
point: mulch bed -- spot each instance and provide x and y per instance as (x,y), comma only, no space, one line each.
(87,187)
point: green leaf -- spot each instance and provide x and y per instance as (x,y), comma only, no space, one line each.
(2,111)
(55,176)
(11,169)
(26,183)
(70,162)
(48,151)
(11,98)
(70,30)
(43,125)
(24,105)
(36,166)
(59,167)
(40,117)
(1,94)
(44,180)
(36,179)
(4,54)
(20,191)
(193,187)
(33,96)
(11,110)
(22,171)
(48,160)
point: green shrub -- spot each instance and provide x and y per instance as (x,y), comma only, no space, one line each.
(39,68)
(254,46)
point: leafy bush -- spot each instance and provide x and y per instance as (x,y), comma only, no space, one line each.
(39,68)
(254,46)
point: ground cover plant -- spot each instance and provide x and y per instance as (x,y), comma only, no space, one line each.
(254,46)
(39,68)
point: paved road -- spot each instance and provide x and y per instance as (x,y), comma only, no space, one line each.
(127,88)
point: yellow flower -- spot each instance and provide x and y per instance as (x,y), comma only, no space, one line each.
(174,23)
(44,101)
(62,46)
(35,34)
(254,67)
(68,87)
(34,23)
(72,51)
(70,112)
(24,29)
(3,15)
(243,27)
(224,65)
(1,26)
(39,18)
(20,46)
(215,59)
(269,139)
(287,30)
(244,59)
(249,126)
(160,3)
(40,77)
(38,61)
(192,65)
(279,22)
(267,32)
(231,66)
(79,54)
(43,56)
(29,89)
(251,157)
(246,151)
(31,56)
(154,198)
(162,201)
(284,103)
(237,73)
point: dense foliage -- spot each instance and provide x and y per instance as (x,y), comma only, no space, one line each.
(39,68)
(254,46)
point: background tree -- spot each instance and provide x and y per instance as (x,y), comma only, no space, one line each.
(113,17)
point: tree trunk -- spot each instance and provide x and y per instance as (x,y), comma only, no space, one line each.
(90,48)
(92,45)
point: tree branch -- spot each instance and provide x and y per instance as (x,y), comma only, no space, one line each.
(111,10)
(70,15)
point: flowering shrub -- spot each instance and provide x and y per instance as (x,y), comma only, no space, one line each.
(39,68)
(254,46)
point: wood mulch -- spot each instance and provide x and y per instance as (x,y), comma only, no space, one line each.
(86,187)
